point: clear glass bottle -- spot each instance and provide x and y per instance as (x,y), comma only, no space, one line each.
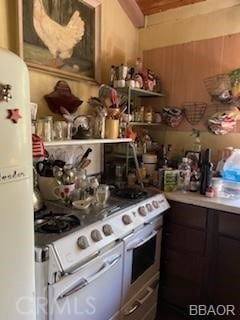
(184,175)
(138,65)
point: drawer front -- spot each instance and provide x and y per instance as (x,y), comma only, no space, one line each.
(182,265)
(180,238)
(229,225)
(187,215)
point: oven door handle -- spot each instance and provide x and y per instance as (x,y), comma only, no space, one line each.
(104,268)
(86,281)
(81,284)
(142,241)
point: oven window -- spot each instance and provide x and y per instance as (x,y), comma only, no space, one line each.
(143,258)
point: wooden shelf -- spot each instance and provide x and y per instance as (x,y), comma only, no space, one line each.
(85,141)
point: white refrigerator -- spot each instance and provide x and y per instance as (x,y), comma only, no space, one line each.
(17,301)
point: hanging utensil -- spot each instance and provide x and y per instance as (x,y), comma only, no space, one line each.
(85,164)
(58,173)
(85,155)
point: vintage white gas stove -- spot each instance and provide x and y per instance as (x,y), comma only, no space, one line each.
(102,263)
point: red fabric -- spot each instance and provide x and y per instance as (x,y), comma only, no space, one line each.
(38,149)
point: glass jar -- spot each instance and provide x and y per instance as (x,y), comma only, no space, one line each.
(141,114)
(148,115)
(44,128)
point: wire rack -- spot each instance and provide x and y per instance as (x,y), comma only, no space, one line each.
(194,111)
(219,87)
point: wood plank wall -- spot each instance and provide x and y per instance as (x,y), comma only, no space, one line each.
(183,67)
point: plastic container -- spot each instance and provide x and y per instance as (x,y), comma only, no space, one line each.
(217,184)
(231,168)
(231,175)
(150,162)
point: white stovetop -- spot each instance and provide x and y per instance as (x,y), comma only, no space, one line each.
(223,204)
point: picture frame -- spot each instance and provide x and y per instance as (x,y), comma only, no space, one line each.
(61,38)
(195,157)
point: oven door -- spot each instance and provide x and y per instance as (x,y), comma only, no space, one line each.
(91,292)
(141,258)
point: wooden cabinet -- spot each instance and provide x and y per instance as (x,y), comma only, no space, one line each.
(226,260)
(200,261)
(183,255)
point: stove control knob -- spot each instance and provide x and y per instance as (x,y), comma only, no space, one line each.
(96,235)
(142,211)
(126,219)
(155,204)
(107,229)
(149,207)
(82,242)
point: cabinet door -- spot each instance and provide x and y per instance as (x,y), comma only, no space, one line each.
(180,292)
(181,278)
(182,265)
(183,255)
(184,239)
(187,215)
(229,225)
(226,282)
(225,260)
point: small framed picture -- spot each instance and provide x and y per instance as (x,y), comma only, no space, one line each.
(194,157)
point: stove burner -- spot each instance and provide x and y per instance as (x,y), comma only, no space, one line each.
(130,193)
(56,223)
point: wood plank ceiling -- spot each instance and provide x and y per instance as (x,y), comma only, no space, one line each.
(149,7)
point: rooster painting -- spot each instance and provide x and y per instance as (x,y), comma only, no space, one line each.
(59,36)
(60,40)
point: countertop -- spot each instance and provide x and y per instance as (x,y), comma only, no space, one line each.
(222,204)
